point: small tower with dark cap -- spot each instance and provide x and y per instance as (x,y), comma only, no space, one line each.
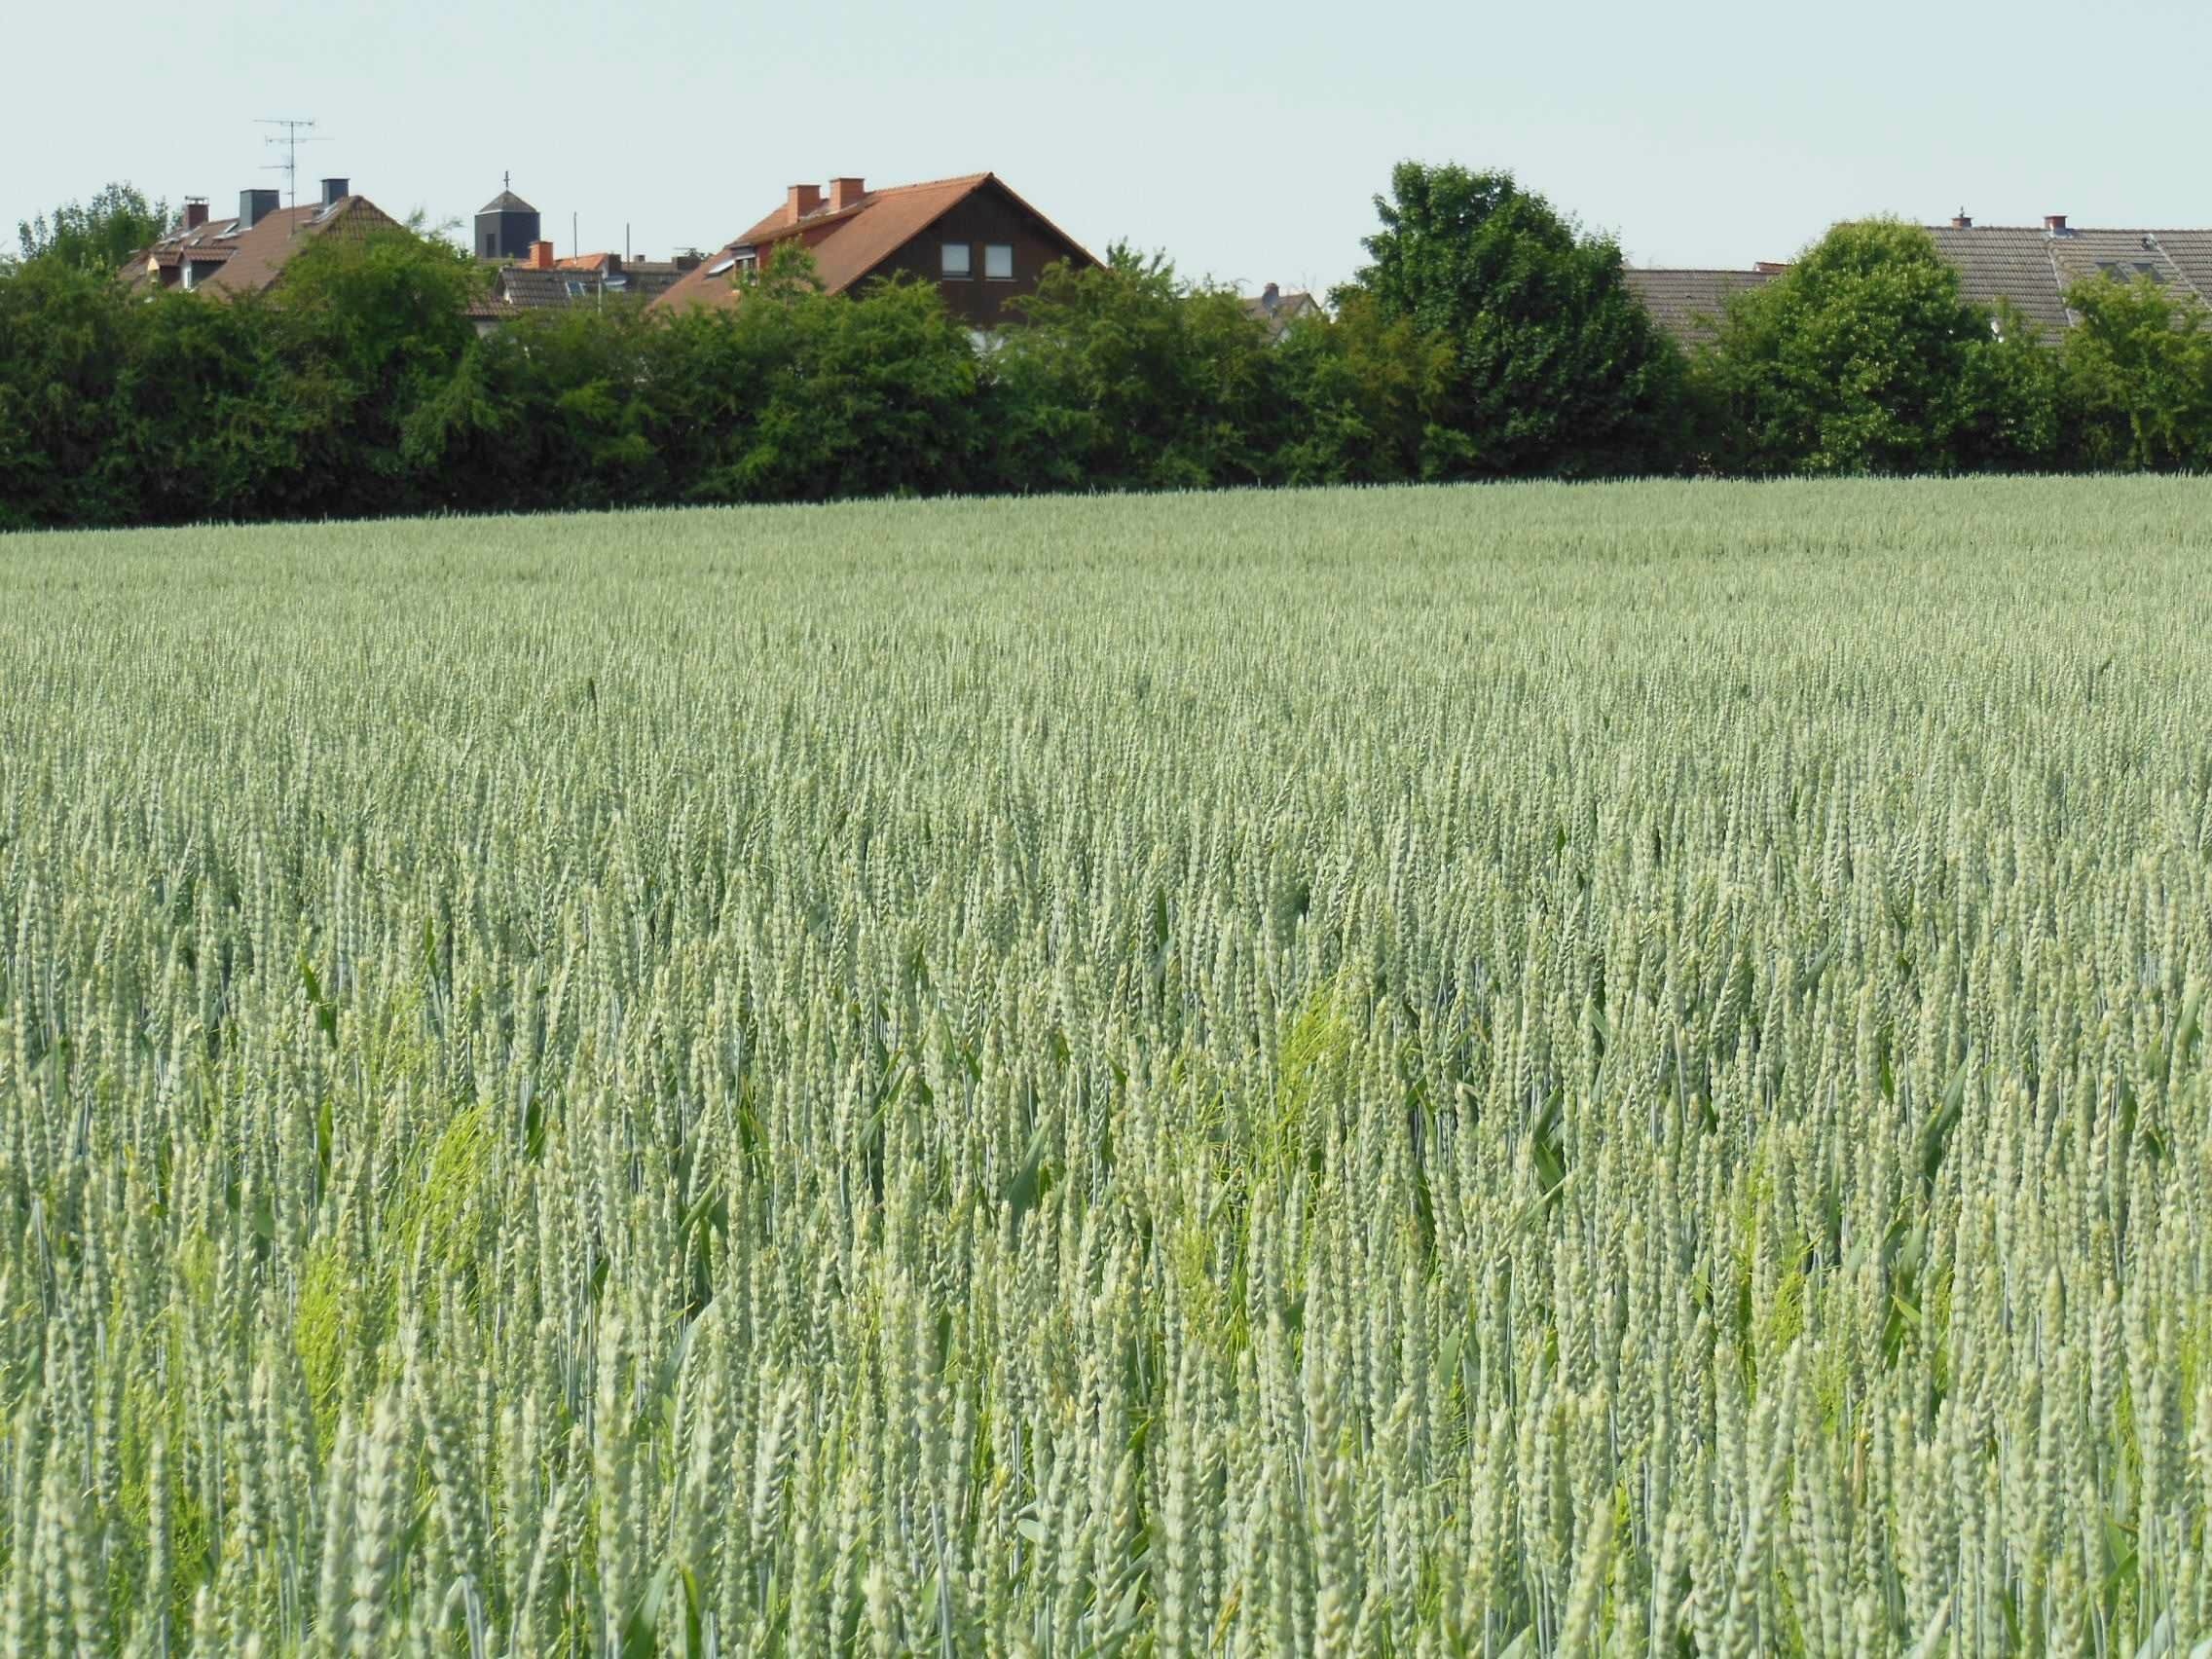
(506,225)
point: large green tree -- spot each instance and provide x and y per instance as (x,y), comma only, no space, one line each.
(98,234)
(1555,367)
(795,394)
(2138,377)
(1864,356)
(65,338)
(380,323)
(1123,376)
(1363,397)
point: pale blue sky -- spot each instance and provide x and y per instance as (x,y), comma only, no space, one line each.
(1245,141)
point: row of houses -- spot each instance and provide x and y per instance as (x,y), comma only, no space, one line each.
(2031,266)
(983,246)
(981,242)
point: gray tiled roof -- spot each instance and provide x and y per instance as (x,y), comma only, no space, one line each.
(523,288)
(2026,264)
(1687,303)
(2033,266)
(1283,309)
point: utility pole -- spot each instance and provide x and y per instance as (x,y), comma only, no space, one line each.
(291,140)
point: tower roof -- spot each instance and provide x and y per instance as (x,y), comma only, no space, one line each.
(507,201)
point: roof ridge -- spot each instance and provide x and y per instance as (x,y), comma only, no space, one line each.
(927,184)
(2080,230)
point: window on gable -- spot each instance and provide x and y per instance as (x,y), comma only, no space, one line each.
(998,262)
(959,260)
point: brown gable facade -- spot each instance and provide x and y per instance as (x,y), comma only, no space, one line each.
(972,237)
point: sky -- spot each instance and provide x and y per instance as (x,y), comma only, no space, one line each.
(1246,142)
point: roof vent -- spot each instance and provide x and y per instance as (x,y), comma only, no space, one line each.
(2056,224)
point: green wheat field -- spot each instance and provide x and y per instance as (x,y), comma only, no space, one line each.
(1474,1072)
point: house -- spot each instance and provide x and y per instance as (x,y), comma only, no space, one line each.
(1689,304)
(247,254)
(2034,265)
(979,243)
(539,281)
(1277,310)
(2031,266)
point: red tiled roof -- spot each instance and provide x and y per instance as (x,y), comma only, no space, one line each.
(850,243)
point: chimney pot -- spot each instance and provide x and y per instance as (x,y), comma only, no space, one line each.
(2056,224)
(799,201)
(846,193)
(336,190)
(195,212)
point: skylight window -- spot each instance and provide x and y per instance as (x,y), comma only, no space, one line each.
(722,264)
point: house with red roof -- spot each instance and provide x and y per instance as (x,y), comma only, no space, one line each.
(972,237)
(248,252)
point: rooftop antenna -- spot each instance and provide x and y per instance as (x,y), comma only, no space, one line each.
(290,138)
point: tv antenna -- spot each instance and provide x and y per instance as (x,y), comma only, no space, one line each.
(291,139)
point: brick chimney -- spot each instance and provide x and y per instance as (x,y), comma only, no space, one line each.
(2056,224)
(799,201)
(195,212)
(541,256)
(846,193)
(1959,221)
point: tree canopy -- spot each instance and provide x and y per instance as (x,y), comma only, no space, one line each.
(98,234)
(1555,367)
